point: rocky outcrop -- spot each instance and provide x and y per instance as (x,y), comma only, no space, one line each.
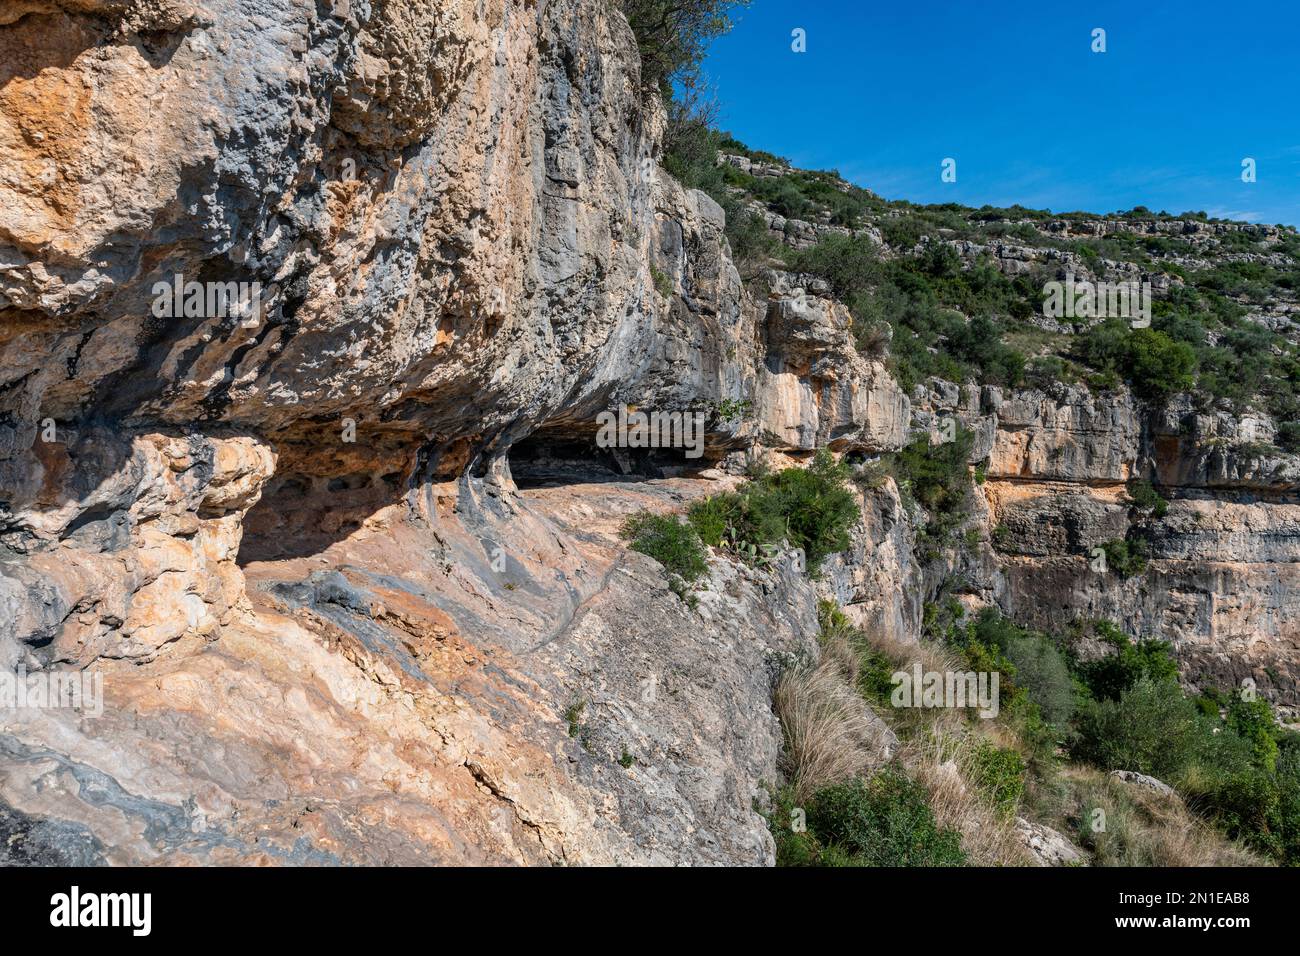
(389,703)
(335,530)
(1048,847)
(1220,581)
(283,526)
(1142,780)
(118,558)
(1220,576)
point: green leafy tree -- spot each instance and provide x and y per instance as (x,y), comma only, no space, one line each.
(1154,364)
(673,35)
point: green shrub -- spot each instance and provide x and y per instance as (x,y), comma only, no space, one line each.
(1048,372)
(816,504)
(885,821)
(1108,677)
(875,673)
(810,508)
(1207,704)
(1150,729)
(999,774)
(923,301)
(938,478)
(1001,537)
(795,846)
(1222,781)
(1145,498)
(1126,557)
(669,541)
(673,37)
(1154,364)
(1244,775)
(663,282)
(1288,437)
(1040,739)
(1042,670)
(1253,721)
(875,668)
(1287,826)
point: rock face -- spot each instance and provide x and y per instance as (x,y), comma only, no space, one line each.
(1049,848)
(345,556)
(1222,582)
(330,627)
(122,557)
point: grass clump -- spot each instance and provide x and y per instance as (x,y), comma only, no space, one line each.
(999,774)
(841,733)
(1125,825)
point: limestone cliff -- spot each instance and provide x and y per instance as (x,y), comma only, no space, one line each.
(330,626)
(350,568)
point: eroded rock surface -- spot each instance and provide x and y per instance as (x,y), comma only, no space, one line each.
(348,565)
(329,626)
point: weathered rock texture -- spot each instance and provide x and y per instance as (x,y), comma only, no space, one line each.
(349,567)
(319,649)
(1223,581)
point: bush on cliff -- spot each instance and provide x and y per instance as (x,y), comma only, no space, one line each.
(1127,557)
(924,300)
(938,478)
(1154,364)
(1145,498)
(810,508)
(671,542)
(673,35)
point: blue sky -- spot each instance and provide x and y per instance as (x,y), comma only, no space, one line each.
(1013,92)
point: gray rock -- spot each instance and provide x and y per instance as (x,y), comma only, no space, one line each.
(1142,780)
(1048,847)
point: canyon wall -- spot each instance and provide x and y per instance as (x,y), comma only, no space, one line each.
(348,562)
(1221,581)
(330,626)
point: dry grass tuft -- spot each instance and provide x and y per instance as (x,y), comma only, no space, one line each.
(831,735)
(1144,828)
(941,763)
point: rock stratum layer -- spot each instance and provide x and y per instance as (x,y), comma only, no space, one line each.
(350,571)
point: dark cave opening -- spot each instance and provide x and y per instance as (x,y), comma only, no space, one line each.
(549,458)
